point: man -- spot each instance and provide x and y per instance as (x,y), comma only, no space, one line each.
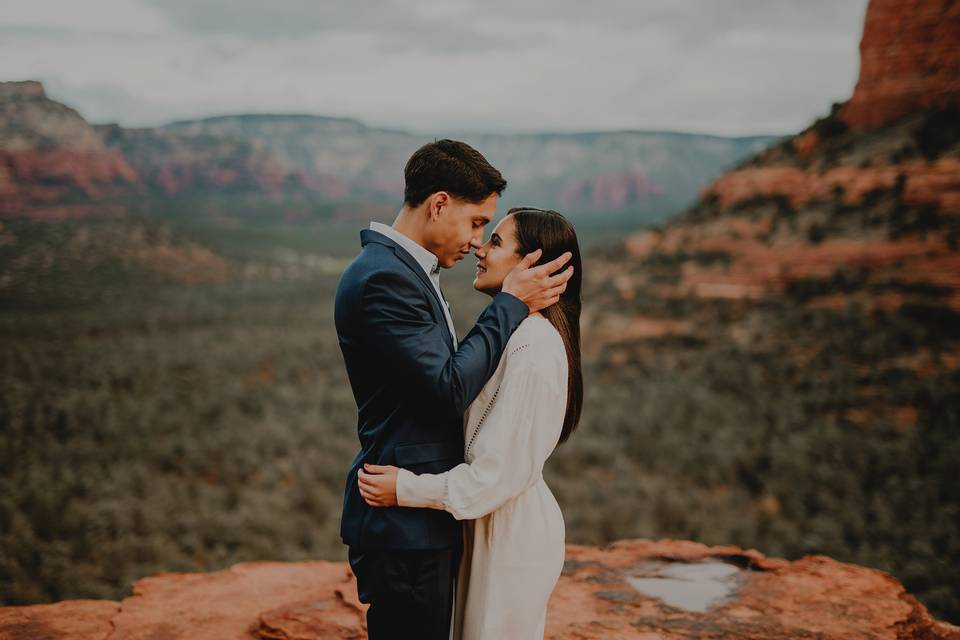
(413,382)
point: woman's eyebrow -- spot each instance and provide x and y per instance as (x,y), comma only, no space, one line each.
(495,235)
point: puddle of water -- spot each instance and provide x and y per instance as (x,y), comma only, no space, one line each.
(692,587)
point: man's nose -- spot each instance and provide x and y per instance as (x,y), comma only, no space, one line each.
(476,243)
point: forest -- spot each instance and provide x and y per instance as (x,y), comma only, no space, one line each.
(157,419)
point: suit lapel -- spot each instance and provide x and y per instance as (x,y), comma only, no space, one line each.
(369,235)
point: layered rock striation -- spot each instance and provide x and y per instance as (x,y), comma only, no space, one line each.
(808,305)
(55,164)
(50,155)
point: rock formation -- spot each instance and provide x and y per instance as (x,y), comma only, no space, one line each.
(55,164)
(636,589)
(909,60)
(50,156)
(839,193)
(812,295)
(610,191)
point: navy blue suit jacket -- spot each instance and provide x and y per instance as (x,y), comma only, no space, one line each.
(412,389)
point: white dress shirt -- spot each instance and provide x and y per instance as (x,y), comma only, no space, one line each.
(426,259)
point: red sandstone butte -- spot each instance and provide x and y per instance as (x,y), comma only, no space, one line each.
(814,597)
(909,59)
(62,170)
(612,190)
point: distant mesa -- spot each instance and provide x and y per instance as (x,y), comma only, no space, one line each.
(21,89)
(51,158)
(612,191)
(55,164)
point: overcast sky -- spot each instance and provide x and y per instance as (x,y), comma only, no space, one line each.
(731,67)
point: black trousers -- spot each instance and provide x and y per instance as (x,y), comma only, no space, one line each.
(410,592)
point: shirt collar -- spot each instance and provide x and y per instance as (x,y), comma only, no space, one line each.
(426,259)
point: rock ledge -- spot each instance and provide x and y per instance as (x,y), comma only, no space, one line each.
(597,597)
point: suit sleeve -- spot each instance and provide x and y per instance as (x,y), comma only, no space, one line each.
(399,326)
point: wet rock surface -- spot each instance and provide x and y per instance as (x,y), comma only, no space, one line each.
(730,592)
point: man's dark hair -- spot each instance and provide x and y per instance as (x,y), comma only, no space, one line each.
(451,166)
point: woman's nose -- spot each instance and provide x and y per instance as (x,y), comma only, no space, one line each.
(480,251)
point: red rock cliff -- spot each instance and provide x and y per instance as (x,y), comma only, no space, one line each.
(909,59)
(827,266)
(49,154)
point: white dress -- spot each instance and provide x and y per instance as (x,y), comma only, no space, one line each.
(514,537)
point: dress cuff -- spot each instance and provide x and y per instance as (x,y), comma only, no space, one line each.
(424,490)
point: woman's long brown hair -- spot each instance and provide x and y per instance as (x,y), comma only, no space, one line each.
(550,231)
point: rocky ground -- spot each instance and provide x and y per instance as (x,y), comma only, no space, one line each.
(643,589)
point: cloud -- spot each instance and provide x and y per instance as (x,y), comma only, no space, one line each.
(128,16)
(697,20)
(397,26)
(295,18)
(736,67)
(103,103)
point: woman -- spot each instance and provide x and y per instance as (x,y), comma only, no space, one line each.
(514,535)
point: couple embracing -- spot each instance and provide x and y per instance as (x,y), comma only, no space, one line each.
(452,531)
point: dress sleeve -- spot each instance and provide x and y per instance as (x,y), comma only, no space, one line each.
(519,434)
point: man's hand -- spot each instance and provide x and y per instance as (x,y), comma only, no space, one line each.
(378,485)
(534,285)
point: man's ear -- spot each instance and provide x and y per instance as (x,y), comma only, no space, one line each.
(437,202)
